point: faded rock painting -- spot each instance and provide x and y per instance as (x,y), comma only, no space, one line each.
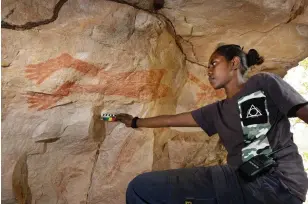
(205,92)
(143,85)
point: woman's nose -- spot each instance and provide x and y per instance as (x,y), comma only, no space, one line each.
(210,71)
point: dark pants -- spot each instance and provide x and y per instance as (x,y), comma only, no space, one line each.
(205,185)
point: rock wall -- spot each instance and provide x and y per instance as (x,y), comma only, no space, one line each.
(64,62)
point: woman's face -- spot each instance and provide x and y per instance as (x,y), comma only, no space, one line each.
(219,71)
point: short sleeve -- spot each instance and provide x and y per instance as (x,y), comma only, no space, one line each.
(205,118)
(287,99)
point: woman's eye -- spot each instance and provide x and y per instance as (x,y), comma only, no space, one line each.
(211,65)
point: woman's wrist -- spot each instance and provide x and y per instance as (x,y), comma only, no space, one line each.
(134,122)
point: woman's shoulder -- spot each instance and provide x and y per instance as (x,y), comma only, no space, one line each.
(264,76)
(263,79)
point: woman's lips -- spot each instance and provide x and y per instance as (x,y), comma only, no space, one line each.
(212,80)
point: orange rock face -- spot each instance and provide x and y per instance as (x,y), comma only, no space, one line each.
(66,62)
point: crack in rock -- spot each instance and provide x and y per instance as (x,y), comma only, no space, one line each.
(10,13)
(133,30)
(97,131)
(172,31)
(177,41)
(130,4)
(30,25)
(267,31)
(92,172)
(297,10)
(192,49)
(158,4)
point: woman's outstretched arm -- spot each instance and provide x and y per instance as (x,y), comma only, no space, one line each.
(178,120)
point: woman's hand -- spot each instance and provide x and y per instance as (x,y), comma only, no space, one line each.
(125,118)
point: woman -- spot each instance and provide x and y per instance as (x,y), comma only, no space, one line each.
(251,121)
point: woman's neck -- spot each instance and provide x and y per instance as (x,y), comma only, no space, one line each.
(234,86)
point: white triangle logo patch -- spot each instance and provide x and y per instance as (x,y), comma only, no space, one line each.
(253,112)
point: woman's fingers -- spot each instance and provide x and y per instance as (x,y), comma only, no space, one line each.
(124,118)
(121,116)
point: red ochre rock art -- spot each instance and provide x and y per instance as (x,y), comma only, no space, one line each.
(206,91)
(144,85)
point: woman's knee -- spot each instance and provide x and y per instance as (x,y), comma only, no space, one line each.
(135,189)
(137,182)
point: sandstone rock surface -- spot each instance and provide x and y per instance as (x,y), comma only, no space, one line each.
(64,62)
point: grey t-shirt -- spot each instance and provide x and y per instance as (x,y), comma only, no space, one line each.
(255,121)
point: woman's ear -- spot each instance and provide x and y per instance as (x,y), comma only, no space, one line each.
(236,61)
